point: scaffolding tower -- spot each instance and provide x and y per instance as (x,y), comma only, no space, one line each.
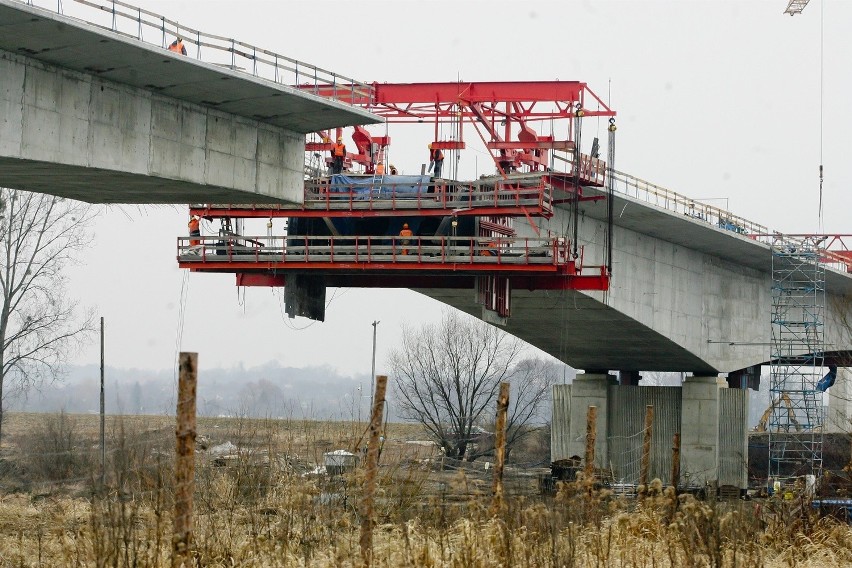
(798,346)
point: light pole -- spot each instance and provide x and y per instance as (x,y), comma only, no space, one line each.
(373,369)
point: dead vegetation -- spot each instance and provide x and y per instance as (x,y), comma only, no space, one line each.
(262,501)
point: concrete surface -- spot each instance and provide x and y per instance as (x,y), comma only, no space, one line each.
(699,436)
(92,115)
(72,44)
(684,296)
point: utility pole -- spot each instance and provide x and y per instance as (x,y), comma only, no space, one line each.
(373,368)
(103,412)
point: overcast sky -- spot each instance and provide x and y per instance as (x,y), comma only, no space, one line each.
(716,99)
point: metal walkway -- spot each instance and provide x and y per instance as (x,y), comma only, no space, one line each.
(529,195)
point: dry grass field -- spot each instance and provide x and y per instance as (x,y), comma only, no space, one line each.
(259,501)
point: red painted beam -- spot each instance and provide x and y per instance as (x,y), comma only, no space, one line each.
(222,264)
(438,281)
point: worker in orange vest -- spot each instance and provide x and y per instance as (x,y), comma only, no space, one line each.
(490,249)
(338,152)
(393,170)
(436,160)
(405,232)
(194,231)
(178,47)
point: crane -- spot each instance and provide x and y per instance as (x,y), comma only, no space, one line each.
(796,6)
(785,398)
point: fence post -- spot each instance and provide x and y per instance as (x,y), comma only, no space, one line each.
(185,459)
(500,448)
(646,445)
(366,540)
(676,460)
(591,437)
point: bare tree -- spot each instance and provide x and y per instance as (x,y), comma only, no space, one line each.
(447,376)
(39,325)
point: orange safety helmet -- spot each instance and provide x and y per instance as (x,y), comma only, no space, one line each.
(405,225)
(340,138)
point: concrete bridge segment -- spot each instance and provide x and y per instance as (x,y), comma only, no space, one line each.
(685,295)
(93,115)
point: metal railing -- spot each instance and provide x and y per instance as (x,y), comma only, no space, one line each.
(632,186)
(385,194)
(545,253)
(640,189)
(134,22)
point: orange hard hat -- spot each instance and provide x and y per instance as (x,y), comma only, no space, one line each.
(405,225)
(340,138)
(429,146)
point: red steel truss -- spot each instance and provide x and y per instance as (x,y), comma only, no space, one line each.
(504,114)
(509,119)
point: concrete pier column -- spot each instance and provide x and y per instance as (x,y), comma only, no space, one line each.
(839,417)
(589,389)
(699,430)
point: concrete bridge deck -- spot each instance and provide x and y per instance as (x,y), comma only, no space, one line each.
(95,115)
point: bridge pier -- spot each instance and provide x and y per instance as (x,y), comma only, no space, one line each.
(589,389)
(710,417)
(699,436)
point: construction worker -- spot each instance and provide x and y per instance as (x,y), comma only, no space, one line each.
(194,231)
(338,153)
(436,160)
(178,47)
(490,249)
(393,170)
(405,233)
(380,169)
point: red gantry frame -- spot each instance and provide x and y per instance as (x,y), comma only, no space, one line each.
(507,118)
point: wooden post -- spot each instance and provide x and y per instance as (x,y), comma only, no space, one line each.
(591,437)
(500,448)
(185,460)
(646,446)
(372,466)
(676,460)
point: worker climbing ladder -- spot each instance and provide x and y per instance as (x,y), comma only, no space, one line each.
(797,353)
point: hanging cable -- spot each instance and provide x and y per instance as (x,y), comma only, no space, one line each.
(575,202)
(610,192)
(821,104)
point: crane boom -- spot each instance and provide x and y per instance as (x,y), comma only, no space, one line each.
(796,6)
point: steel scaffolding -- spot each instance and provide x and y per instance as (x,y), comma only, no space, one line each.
(798,310)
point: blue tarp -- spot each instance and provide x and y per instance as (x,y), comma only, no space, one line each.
(828,380)
(379,187)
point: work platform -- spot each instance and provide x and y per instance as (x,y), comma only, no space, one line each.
(387,255)
(524,194)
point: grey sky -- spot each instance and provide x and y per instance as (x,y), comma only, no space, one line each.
(715,100)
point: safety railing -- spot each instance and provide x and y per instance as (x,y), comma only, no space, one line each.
(640,189)
(135,22)
(386,194)
(789,244)
(529,196)
(537,253)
